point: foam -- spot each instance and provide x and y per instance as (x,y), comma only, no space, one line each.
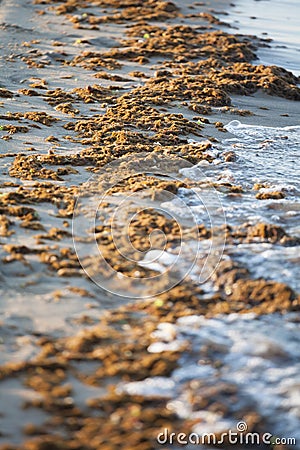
(258,354)
(258,132)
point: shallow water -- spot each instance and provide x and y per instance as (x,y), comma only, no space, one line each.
(268,156)
(273,19)
(259,356)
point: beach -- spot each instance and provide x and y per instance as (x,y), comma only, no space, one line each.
(149,223)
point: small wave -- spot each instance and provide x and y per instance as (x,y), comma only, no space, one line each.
(258,132)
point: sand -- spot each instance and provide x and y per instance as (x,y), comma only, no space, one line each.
(83,90)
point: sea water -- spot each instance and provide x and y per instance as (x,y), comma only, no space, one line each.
(258,355)
(275,19)
(265,156)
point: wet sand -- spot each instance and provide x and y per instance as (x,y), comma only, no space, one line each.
(82,88)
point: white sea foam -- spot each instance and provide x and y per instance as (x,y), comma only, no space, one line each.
(156,386)
(258,354)
(267,156)
(258,132)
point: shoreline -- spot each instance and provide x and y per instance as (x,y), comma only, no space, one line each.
(279,26)
(61,365)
